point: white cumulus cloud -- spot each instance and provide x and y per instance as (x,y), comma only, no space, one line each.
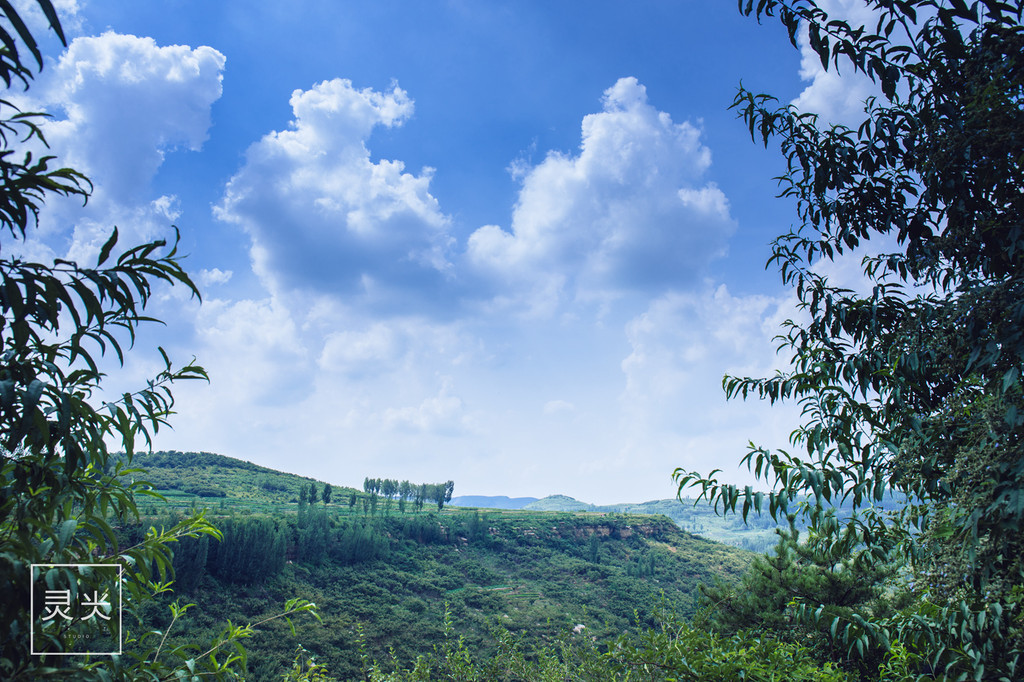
(630,211)
(213,276)
(126,102)
(119,103)
(323,216)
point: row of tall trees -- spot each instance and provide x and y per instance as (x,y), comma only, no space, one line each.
(252,549)
(405,492)
(387,490)
(308,494)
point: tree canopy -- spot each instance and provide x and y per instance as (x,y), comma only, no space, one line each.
(912,384)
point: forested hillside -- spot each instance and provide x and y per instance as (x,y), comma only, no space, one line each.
(383,578)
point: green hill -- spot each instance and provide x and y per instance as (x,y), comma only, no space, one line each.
(559,503)
(215,480)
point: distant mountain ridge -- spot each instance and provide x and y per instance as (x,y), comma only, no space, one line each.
(492,501)
(549,503)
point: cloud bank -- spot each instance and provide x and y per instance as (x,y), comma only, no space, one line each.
(381,340)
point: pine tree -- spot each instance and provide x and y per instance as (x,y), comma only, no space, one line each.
(797,573)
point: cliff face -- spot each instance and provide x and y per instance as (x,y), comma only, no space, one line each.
(655,528)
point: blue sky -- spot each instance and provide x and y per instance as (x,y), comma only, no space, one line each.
(515,245)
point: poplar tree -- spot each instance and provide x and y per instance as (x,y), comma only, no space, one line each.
(404,494)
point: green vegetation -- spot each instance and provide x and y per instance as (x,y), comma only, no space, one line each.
(383,580)
(669,651)
(514,594)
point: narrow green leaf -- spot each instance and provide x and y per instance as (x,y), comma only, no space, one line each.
(107,247)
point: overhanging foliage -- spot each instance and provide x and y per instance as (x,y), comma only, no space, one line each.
(913,386)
